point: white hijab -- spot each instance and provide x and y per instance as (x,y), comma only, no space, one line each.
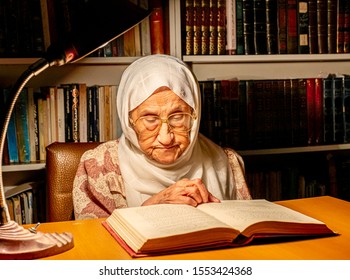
(144,177)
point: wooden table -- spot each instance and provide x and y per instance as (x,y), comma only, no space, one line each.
(93,242)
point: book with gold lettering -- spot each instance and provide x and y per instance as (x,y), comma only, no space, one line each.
(170,228)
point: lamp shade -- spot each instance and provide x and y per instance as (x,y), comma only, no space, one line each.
(94,23)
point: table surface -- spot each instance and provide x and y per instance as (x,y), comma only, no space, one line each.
(93,242)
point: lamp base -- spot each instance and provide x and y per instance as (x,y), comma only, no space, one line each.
(17,243)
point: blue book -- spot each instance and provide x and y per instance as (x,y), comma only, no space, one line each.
(11,132)
(22,127)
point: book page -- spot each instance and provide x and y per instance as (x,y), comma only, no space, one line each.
(167,220)
(240,214)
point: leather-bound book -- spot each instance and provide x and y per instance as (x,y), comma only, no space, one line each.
(260,27)
(248,26)
(292,32)
(322,26)
(213,27)
(303,27)
(271,26)
(221,27)
(312,28)
(205,22)
(197,21)
(189,27)
(282,26)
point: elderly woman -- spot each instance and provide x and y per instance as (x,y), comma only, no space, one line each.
(161,157)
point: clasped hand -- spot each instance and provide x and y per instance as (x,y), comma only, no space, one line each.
(186,191)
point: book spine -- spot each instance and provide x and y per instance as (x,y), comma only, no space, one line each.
(61,137)
(75,112)
(346,108)
(260,36)
(231,27)
(197,21)
(340,26)
(303,27)
(319,118)
(271,27)
(282,26)
(83,118)
(312,28)
(22,127)
(338,125)
(347,27)
(207,120)
(189,27)
(328,109)
(322,26)
(68,113)
(90,114)
(303,113)
(213,28)
(292,32)
(221,27)
(205,22)
(157,30)
(295,107)
(239,27)
(332,25)
(248,26)
(218,112)
(310,101)
(288,105)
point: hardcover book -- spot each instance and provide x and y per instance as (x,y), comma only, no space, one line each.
(312,28)
(170,228)
(189,27)
(282,26)
(292,32)
(303,27)
(248,26)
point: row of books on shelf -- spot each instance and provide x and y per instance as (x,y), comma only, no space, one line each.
(273,113)
(21,29)
(65,113)
(25,202)
(28,27)
(253,27)
(281,184)
(147,37)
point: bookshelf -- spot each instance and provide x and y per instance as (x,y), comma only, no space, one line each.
(108,70)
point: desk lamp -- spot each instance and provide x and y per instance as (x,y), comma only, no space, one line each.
(97,23)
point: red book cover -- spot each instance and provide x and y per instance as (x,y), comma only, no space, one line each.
(318,111)
(347,27)
(156,29)
(282,26)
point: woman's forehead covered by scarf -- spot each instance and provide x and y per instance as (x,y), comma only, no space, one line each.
(147,74)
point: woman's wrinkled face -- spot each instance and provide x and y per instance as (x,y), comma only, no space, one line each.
(162,124)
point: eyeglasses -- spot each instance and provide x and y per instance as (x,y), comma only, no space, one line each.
(177,122)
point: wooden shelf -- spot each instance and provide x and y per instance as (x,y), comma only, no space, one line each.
(294,150)
(266,58)
(23,167)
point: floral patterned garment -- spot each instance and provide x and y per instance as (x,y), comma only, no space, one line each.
(98,186)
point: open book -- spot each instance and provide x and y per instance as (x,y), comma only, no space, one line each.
(169,228)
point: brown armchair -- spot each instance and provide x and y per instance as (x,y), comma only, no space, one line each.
(62,161)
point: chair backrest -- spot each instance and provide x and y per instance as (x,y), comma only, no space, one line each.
(62,161)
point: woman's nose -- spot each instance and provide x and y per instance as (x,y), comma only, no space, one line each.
(165,135)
